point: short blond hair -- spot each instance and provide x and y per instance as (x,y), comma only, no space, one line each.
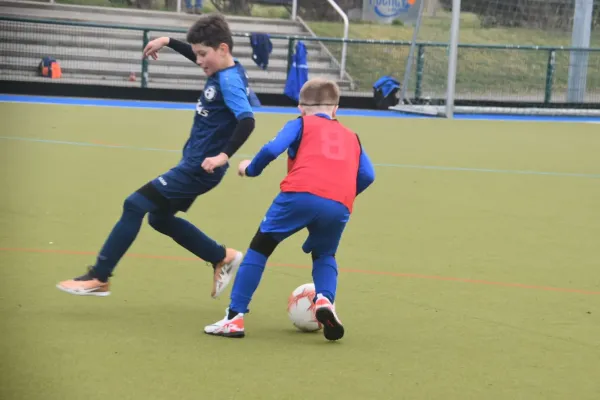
(319,92)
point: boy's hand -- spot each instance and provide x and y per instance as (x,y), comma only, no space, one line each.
(210,163)
(242,167)
(152,48)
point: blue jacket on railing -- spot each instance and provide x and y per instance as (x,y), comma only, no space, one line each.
(261,48)
(386,84)
(298,73)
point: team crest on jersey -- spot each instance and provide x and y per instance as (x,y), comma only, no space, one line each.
(210,93)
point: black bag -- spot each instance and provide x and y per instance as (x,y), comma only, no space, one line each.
(385,92)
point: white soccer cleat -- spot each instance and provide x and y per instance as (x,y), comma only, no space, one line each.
(233,328)
(326,315)
(224,273)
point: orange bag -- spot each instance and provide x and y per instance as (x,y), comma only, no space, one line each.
(50,68)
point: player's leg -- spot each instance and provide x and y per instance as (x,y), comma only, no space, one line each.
(187,236)
(225,261)
(286,216)
(245,284)
(283,219)
(183,190)
(325,279)
(95,281)
(324,237)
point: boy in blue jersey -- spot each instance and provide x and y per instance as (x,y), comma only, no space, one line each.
(327,169)
(222,122)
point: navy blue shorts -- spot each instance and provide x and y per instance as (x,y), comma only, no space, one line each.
(325,220)
(177,189)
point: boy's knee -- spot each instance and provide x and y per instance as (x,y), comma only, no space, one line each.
(158,221)
(263,243)
(137,203)
(318,256)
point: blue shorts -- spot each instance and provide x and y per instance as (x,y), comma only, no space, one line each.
(180,188)
(325,220)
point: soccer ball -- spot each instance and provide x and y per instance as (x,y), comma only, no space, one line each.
(301,308)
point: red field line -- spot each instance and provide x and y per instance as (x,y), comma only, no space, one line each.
(346,270)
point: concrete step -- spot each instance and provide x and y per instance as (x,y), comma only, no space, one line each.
(90,79)
(67,39)
(116,11)
(120,16)
(106,54)
(8,28)
(162,83)
(167,57)
(156,71)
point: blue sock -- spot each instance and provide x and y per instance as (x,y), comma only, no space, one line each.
(246,281)
(188,236)
(123,234)
(325,276)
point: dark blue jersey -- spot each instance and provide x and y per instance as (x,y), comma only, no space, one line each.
(224,101)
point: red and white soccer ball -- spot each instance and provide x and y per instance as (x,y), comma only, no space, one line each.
(301,308)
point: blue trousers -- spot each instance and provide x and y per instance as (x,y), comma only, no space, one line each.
(289,213)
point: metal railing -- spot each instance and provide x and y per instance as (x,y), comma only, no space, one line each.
(337,8)
(360,65)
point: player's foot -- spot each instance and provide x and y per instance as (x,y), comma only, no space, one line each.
(225,270)
(325,313)
(85,285)
(233,328)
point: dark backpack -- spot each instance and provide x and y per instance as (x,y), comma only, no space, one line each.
(385,92)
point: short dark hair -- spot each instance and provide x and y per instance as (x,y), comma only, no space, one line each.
(210,30)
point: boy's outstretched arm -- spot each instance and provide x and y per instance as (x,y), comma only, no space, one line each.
(366,173)
(154,46)
(185,49)
(285,138)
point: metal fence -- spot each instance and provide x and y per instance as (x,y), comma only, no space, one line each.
(111,55)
